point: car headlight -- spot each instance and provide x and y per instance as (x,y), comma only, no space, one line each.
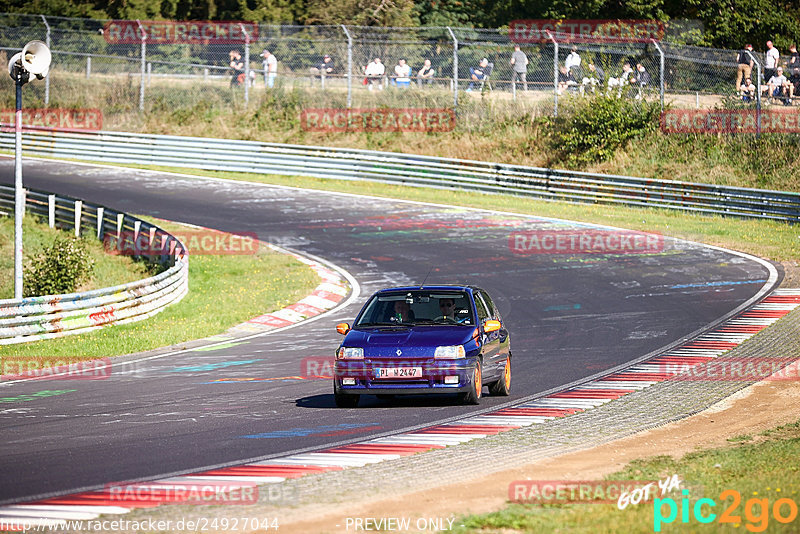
(451,352)
(350,353)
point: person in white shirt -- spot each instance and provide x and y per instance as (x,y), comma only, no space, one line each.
(778,86)
(573,60)
(374,72)
(771,61)
(402,73)
(270,64)
(623,80)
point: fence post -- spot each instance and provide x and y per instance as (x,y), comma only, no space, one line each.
(555,73)
(100,213)
(455,68)
(660,72)
(758,93)
(142,67)
(47,78)
(78,210)
(88,66)
(246,64)
(349,67)
(51,211)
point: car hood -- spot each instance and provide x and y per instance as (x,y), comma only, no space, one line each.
(385,341)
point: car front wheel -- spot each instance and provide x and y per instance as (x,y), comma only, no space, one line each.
(473,396)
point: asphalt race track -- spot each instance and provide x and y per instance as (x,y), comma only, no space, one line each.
(570,316)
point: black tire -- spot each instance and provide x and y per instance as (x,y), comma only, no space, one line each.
(473,396)
(346,401)
(502,388)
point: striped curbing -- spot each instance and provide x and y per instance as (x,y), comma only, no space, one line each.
(723,338)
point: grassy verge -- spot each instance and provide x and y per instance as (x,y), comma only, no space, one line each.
(489,128)
(755,467)
(223,291)
(108,270)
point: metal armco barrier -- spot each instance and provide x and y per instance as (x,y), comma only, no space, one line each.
(51,316)
(413,170)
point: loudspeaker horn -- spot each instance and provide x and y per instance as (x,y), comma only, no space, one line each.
(36,58)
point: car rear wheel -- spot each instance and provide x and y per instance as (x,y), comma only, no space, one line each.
(502,388)
(346,401)
(473,396)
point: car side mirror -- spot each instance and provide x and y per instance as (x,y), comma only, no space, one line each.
(491,325)
(343,328)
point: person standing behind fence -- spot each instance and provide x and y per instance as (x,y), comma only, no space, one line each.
(426,73)
(270,63)
(595,77)
(794,58)
(237,66)
(573,63)
(771,61)
(519,64)
(744,66)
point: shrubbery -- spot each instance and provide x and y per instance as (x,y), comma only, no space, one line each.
(592,129)
(58,269)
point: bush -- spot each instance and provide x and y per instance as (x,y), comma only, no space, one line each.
(594,128)
(58,269)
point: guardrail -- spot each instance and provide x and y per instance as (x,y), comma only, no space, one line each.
(407,169)
(51,316)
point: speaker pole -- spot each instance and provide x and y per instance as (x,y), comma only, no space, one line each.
(20,77)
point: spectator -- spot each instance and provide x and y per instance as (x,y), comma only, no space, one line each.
(324,68)
(479,73)
(747,90)
(237,67)
(426,73)
(794,83)
(270,64)
(519,65)
(374,72)
(778,86)
(771,61)
(402,73)
(565,80)
(641,80)
(573,61)
(744,64)
(794,58)
(594,77)
(623,80)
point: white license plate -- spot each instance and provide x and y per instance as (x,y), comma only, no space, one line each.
(398,372)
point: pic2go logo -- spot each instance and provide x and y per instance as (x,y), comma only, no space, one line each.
(756,511)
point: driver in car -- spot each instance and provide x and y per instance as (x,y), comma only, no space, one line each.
(448,309)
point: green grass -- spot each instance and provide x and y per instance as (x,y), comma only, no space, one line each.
(108,270)
(757,471)
(223,291)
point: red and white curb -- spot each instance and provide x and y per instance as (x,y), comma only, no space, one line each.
(90,505)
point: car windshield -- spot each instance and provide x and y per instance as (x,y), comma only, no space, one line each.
(417,308)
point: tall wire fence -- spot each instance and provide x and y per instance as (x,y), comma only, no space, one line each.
(434,66)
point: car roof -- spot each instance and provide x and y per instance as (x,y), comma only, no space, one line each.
(429,288)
